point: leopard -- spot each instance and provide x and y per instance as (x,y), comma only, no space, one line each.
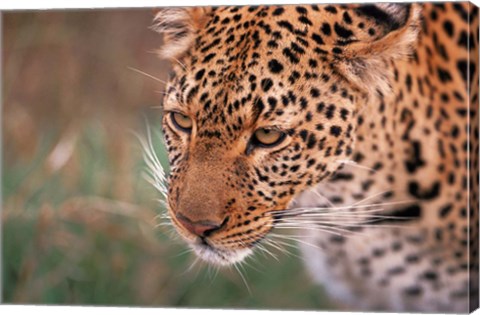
(354,125)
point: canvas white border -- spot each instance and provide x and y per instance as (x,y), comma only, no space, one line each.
(72,4)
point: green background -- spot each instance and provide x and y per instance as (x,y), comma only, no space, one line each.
(78,219)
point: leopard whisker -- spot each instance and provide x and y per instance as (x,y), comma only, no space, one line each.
(163,203)
(236,266)
(337,226)
(336,213)
(348,224)
(156,179)
(343,218)
(245,262)
(316,228)
(268,251)
(147,75)
(183,252)
(258,245)
(163,218)
(282,249)
(322,212)
(169,94)
(164,215)
(192,265)
(317,222)
(295,239)
(179,62)
(277,247)
(215,274)
(164,224)
(336,216)
(155,184)
(337,220)
(264,251)
(331,209)
(355,164)
(154,158)
(174,236)
(371,197)
(171,57)
(316,192)
(335,232)
(155,173)
(314,225)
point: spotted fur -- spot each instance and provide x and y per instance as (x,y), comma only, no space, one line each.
(391,87)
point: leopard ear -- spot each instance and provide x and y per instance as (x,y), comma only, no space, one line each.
(179,26)
(365,63)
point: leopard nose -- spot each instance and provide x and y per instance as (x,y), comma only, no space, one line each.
(200,228)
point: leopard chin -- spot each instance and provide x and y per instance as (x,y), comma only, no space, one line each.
(219,256)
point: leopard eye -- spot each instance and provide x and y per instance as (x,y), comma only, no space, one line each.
(181,122)
(268,137)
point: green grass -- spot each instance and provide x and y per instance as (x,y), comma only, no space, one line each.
(67,240)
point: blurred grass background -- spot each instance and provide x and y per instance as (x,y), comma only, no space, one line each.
(78,219)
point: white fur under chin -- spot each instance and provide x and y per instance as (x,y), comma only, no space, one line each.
(220,257)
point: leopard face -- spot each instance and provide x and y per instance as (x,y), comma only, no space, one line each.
(261,105)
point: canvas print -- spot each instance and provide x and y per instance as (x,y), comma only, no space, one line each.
(294,157)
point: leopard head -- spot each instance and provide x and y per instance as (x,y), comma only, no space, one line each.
(261,104)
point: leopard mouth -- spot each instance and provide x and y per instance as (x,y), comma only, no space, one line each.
(218,256)
(213,251)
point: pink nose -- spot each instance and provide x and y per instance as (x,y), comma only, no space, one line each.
(200,228)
